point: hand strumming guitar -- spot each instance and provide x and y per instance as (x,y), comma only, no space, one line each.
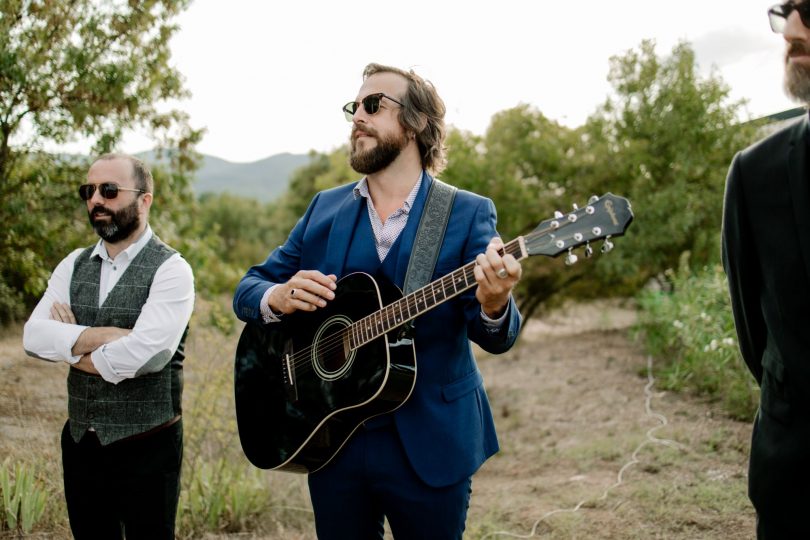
(307,290)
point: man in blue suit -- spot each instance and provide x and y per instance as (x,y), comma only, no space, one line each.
(413,466)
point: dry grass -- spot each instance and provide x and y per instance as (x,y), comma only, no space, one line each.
(570,410)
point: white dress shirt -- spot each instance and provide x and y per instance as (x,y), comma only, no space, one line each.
(159,327)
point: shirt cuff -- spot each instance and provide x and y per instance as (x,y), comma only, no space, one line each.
(268,315)
(103,366)
(494,324)
(72,334)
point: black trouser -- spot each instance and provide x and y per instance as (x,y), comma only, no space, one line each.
(126,489)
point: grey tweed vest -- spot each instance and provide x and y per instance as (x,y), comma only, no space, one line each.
(117,411)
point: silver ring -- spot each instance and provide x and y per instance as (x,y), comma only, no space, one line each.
(502,273)
(292,293)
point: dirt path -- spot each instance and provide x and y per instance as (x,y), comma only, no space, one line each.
(589,447)
(583,427)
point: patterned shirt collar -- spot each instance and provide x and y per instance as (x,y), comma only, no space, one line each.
(361,190)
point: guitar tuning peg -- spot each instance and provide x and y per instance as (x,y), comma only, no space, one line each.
(607,246)
(588,250)
(558,215)
(593,199)
(570,259)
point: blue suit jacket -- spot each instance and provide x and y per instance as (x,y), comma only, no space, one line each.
(446,426)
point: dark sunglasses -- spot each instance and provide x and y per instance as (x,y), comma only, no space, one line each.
(108,190)
(778,14)
(371,103)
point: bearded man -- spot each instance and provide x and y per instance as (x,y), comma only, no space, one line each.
(118,313)
(414,465)
(766,256)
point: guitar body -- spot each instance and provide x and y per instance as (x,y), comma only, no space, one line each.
(301,391)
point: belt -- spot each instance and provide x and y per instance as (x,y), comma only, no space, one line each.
(150,432)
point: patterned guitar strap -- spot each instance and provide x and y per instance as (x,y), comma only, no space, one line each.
(429,235)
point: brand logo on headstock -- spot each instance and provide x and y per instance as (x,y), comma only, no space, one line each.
(611,212)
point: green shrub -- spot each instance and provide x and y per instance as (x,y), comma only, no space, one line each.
(690,330)
(221,496)
(22,496)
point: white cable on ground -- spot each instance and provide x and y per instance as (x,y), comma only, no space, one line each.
(649,439)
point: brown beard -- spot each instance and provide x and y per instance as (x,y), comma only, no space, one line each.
(797,76)
(378,158)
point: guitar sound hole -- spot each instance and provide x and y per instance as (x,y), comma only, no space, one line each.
(331,357)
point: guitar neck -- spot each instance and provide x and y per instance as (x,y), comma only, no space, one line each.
(422,300)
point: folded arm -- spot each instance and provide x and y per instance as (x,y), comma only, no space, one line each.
(116,354)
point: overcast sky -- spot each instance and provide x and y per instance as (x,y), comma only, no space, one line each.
(269,77)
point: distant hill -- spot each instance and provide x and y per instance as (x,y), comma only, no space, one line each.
(263,180)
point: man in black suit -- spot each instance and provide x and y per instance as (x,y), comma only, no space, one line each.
(766,255)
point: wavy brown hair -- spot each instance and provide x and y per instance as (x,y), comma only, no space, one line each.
(423,114)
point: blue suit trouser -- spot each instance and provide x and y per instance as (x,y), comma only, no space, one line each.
(371,478)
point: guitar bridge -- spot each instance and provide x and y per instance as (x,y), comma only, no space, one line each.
(288,375)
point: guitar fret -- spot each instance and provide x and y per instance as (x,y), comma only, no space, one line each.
(442,292)
(391,316)
(447,284)
(459,275)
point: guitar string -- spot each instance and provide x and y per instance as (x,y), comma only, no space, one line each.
(302,360)
(335,342)
(650,438)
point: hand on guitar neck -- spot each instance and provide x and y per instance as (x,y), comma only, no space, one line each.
(496,276)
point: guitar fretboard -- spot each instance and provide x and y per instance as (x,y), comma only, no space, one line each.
(421,300)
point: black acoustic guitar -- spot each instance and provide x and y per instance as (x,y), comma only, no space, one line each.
(305,384)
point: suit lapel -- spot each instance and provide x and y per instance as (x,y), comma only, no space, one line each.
(342,231)
(408,235)
(799,178)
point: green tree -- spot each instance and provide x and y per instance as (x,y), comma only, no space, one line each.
(324,171)
(79,69)
(664,139)
(526,163)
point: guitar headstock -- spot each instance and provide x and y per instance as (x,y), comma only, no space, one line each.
(602,218)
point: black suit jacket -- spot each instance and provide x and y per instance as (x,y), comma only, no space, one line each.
(766,255)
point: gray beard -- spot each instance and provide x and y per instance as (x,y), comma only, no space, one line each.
(797,83)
